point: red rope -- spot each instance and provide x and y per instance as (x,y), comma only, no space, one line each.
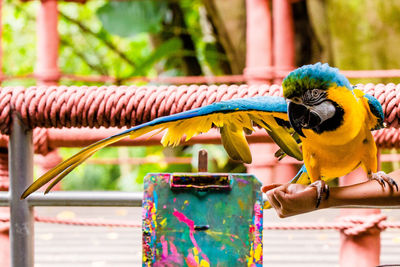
(349,225)
(118,106)
(83,222)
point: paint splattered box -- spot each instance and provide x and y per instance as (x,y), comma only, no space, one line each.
(202,220)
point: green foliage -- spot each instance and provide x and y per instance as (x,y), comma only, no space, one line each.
(115,38)
(167,49)
(18,44)
(129,18)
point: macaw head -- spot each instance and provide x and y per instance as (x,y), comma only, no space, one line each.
(306,91)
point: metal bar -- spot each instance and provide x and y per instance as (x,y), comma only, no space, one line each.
(80,198)
(4,199)
(21,175)
(87,198)
(107,199)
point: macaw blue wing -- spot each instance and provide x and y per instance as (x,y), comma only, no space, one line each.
(374,108)
(232,117)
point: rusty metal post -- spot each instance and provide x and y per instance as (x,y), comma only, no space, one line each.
(361,250)
(21,175)
(47,71)
(283,41)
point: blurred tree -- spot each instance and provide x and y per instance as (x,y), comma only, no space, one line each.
(358,35)
(122,39)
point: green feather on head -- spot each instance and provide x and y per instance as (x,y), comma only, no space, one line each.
(316,76)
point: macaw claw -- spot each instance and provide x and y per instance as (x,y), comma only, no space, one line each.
(384,179)
(322,188)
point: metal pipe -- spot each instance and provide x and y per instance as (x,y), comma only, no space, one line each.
(4,199)
(88,199)
(283,40)
(106,199)
(21,175)
(47,71)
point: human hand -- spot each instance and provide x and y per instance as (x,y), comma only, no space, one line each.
(290,199)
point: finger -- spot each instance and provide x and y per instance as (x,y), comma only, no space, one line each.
(266,188)
(281,195)
(272,200)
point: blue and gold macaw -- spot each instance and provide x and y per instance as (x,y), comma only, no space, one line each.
(320,119)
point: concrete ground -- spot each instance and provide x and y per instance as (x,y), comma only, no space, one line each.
(77,246)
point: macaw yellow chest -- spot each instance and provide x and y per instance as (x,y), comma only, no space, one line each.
(328,161)
(337,152)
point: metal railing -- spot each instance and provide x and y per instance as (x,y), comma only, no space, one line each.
(21,211)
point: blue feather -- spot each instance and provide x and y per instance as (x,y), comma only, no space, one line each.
(258,103)
(377,110)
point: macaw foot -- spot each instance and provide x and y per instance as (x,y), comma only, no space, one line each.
(383,179)
(322,188)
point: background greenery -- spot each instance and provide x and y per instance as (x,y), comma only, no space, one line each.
(153,38)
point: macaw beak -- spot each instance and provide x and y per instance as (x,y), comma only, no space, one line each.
(304,117)
(296,113)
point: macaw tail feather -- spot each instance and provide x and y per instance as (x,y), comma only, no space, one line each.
(65,167)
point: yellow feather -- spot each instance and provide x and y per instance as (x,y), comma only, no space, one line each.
(231,124)
(235,143)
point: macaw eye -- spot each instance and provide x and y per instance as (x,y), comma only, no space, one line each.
(315,92)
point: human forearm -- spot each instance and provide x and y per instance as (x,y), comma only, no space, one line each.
(292,199)
(369,193)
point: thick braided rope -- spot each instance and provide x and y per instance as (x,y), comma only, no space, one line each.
(118,106)
(111,106)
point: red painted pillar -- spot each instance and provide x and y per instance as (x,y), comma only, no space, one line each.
(360,250)
(258,69)
(47,71)
(258,41)
(283,40)
(4,211)
(4,182)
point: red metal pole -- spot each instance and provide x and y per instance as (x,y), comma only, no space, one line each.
(361,250)
(258,68)
(283,40)
(47,71)
(258,41)
(4,180)
(4,211)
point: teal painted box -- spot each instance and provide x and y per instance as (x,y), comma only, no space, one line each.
(202,220)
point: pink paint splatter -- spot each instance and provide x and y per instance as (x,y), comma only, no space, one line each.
(190,223)
(164,245)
